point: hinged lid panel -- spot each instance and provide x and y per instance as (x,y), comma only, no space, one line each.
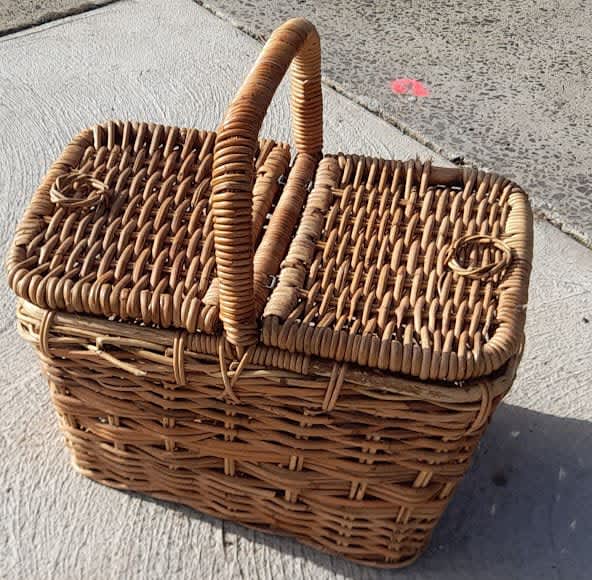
(405,267)
(121,226)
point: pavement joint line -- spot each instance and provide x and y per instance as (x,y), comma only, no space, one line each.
(538,208)
(56,16)
(406,130)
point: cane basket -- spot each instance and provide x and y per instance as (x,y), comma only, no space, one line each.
(308,344)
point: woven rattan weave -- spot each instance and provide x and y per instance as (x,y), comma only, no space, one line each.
(308,345)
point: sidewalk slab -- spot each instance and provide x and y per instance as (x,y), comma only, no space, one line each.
(509,81)
(525,509)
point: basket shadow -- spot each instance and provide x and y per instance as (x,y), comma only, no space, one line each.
(524,510)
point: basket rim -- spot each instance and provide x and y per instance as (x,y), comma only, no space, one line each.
(471,390)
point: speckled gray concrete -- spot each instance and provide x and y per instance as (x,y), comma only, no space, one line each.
(19,14)
(525,509)
(510,81)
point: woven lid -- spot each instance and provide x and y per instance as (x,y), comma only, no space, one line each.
(394,266)
(122,226)
(406,267)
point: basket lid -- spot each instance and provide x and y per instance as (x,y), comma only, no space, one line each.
(406,267)
(122,227)
(394,266)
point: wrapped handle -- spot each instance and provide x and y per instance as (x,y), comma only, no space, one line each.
(296,42)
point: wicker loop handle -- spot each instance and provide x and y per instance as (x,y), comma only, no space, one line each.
(76,189)
(454,255)
(296,42)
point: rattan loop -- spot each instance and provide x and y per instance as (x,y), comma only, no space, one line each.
(179,345)
(484,413)
(462,245)
(77,189)
(334,387)
(230,377)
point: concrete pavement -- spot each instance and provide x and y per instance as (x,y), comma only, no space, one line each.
(525,509)
(508,82)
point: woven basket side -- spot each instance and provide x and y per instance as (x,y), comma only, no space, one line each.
(364,472)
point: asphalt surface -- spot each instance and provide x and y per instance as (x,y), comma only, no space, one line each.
(509,81)
(524,510)
(18,14)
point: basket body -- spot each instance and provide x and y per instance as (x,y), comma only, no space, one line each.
(368,479)
(308,345)
(349,436)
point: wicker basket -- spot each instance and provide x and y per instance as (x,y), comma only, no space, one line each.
(309,346)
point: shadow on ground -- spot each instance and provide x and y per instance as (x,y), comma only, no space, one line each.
(523,511)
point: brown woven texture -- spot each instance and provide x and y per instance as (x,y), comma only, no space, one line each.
(139,246)
(408,268)
(318,364)
(357,464)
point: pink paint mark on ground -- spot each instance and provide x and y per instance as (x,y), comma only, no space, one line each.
(409,87)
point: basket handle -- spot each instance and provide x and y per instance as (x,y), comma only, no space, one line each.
(296,42)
